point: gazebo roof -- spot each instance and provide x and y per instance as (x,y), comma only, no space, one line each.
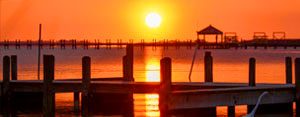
(210,30)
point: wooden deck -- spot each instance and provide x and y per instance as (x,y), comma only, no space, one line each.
(205,95)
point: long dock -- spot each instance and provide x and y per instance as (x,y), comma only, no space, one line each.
(175,98)
(97,44)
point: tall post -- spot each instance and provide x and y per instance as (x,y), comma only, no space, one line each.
(208,67)
(251,81)
(14,67)
(39,50)
(86,80)
(49,94)
(297,79)
(165,85)
(129,64)
(288,70)
(252,72)
(6,91)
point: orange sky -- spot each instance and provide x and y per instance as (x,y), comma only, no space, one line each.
(120,19)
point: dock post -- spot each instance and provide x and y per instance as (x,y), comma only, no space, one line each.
(252,72)
(129,63)
(288,70)
(208,66)
(14,67)
(76,102)
(251,82)
(86,80)
(297,79)
(165,85)
(6,90)
(125,67)
(49,94)
(231,111)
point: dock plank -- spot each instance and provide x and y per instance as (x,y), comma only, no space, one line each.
(231,96)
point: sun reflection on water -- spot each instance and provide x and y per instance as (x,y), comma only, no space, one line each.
(149,102)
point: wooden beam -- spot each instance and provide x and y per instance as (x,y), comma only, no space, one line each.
(230,97)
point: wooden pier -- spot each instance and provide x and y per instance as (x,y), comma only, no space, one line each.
(97,44)
(175,98)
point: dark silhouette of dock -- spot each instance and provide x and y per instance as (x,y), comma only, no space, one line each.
(174,97)
(97,44)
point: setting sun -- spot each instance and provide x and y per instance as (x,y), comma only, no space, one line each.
(153,20)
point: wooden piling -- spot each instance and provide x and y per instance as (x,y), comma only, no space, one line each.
(125,67)
(252,72)
(288,70)
(231,111)
(251,81)
(48,93)
(76,102)
(14,67)
(129,63)
(297,83)
(86,81)
(208,67)
(6,94)
(165,85)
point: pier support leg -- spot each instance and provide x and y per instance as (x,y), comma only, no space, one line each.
(5,85)
(76,102)
(165,86)
(231,111)
(86,81)
(297,79)
(288,70)
(14,67)
(128,63)
(251,82)
(49,94)
(208,67)
(208,75)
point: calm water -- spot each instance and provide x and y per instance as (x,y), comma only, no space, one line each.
(229,66)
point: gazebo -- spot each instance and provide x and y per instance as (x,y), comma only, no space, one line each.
(210,30)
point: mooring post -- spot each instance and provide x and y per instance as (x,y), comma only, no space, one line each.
(288,70)
(208,66)
(48,94)
(5,85)
(76,102)
(251,82)
(86,81)
(297,79)
(165,85)
(14,67)
(252,72)
(129,63)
